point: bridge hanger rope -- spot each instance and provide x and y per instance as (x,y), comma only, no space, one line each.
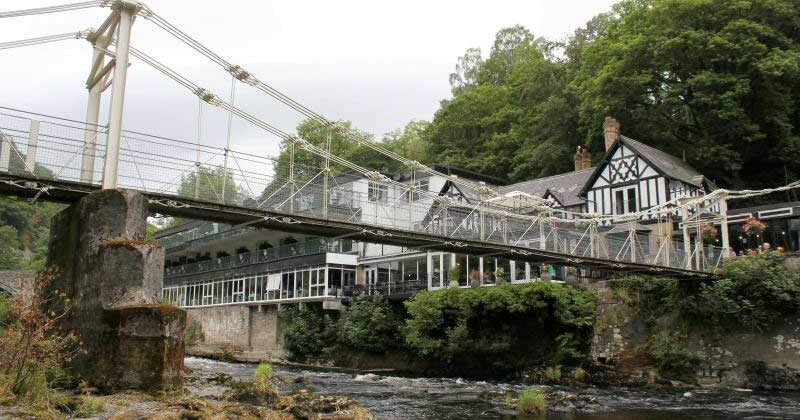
(244,76)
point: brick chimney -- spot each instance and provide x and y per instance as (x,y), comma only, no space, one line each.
(583,158)
(611,131)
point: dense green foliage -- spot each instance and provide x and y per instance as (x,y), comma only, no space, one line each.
(24,232)
(370,324)
(715,79)
(496,328)
(751,294)
(307,331)
(484,331)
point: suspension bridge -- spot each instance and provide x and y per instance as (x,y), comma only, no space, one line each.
(46,157)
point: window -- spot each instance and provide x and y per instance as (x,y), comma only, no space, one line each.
(419,187)
(625,200)
(377,193)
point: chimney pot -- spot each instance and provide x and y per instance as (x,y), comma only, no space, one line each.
(611,131)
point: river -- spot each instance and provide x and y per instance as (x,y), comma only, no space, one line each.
(401,398)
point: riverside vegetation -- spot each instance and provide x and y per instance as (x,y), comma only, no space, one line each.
(35,381)
(543,331)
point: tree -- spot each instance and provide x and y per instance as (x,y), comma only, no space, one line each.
(511,115)
(407,142)
(25,232)
(208,184)
(715,79)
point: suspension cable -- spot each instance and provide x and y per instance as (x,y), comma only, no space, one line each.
(43,40)
(54,9)
(350,133)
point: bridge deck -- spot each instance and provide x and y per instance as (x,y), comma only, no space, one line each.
(69,192)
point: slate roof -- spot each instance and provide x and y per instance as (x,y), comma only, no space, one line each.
(669,165)
(564,187)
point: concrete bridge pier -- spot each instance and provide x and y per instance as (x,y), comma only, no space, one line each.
(114,279)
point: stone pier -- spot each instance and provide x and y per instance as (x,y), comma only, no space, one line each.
(114,279)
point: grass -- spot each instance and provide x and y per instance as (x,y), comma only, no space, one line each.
(531,401)
(553,374)
(262,378)
(89,407)
(579,374)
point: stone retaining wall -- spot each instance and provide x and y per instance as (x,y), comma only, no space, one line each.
(238,332)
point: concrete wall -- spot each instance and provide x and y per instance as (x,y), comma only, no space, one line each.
(247,333)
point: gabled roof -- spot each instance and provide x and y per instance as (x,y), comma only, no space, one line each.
(671,166)
(564,187)
(666,164)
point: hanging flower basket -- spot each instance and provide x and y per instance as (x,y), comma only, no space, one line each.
(752,226)
(708,232)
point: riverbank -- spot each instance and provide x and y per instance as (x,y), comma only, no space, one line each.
(208,393)
(389,396)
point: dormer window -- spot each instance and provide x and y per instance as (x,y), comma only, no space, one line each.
(625,200)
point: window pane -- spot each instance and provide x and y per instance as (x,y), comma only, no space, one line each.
(632,200)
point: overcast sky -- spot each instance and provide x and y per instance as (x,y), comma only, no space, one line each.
(376,63)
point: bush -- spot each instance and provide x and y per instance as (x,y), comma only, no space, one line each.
(494,330)
(753,292)
(553,374)
(370,324)
(531,401)
(33,351)
(307,331)
(262,378)
(6,310)
(579,375)
(668,354)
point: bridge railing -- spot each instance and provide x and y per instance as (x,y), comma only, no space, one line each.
(49,148)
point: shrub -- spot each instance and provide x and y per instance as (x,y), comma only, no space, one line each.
(579,374)
(369,324)
(494,330)
(753,292)
(531,401)
(553,374)
(33,351)
(668,354)
(307,331)
(89,407)
(6,310)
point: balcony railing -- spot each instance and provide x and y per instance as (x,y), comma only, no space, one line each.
(311,247)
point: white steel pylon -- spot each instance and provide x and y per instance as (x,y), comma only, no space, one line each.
(115,29)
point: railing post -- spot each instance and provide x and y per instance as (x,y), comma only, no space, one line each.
(228,141)
(33,139)
(723,227)
(327,170)
(197,159)
(5,152)
(687,245)
(291,177)
(111,164)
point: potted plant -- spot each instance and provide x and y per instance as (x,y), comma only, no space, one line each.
(500,275)
(454,273)
(708,232)
(753,227)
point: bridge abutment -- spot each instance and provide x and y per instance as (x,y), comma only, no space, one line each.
(114,278)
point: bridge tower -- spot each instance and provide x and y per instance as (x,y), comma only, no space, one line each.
(116,29)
